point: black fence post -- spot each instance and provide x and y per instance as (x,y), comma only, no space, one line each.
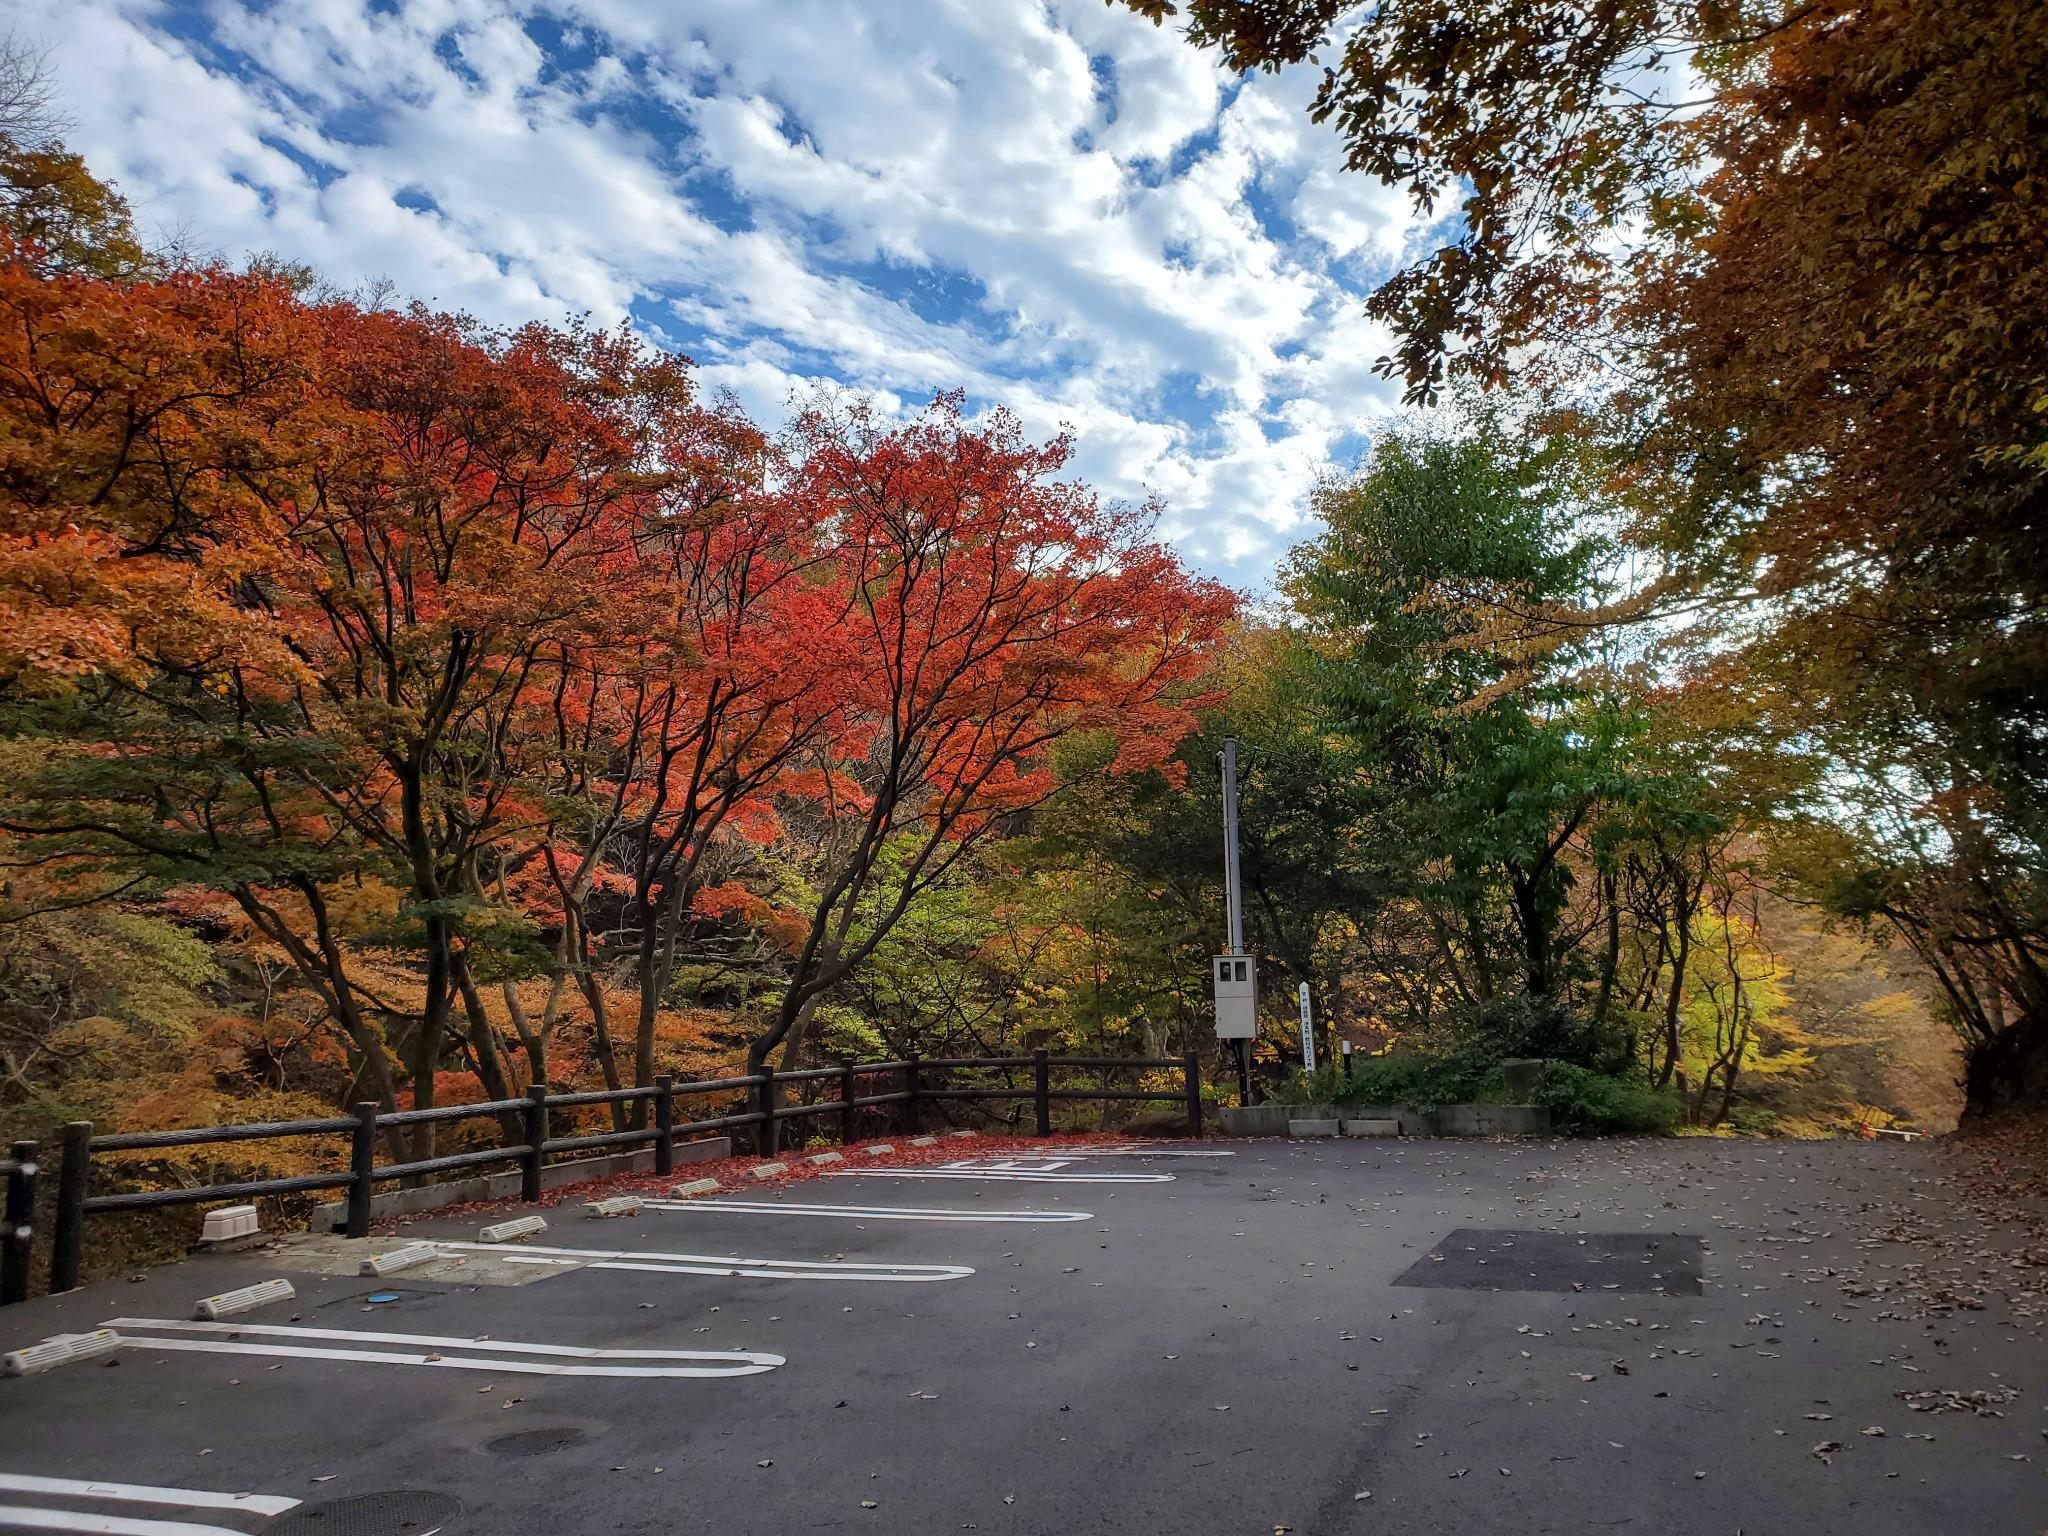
(913,1105)
(67,1234)
(19,1237)
(362,1162)
(766,1137)
(1191,1065)
(536,1117)
(665,1123)
(1041,1089)
(848,1092)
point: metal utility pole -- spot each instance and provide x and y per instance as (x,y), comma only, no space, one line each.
(1233,899)
(1242,1030)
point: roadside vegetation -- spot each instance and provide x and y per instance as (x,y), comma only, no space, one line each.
(392,708)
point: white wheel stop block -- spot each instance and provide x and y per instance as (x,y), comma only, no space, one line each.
(227,1221)
(58,1349)
(879,1149)
(512,1231)
(766,1170)
(245,1299)
(826,1157)
(616,1205)
(397,1259)
(694,1187)
(924,1141)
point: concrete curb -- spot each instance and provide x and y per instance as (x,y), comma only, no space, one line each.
(1447,1120)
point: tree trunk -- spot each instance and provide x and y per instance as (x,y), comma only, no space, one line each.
(2009,1070)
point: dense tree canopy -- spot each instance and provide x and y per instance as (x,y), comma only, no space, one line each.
(1784,260)
(392,706)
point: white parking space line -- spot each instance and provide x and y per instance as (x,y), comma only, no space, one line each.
(720,1264)
(863,1212)
(142,1493)
(15,1517)
(1139,1150)
(997,1174)
(431,1350)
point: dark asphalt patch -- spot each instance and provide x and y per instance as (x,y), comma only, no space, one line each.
(382,1296)
(1473,1259)
(534,1442)
(396,1512)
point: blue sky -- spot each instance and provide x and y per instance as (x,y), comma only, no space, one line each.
(1051,205)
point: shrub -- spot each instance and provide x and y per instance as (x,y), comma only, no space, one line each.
(1583,1100)
(1422,1082)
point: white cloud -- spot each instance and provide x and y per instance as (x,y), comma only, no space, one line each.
(1058,207)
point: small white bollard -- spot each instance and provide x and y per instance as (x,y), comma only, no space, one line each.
(58,1349)
(826,1157)
(616,1205)
(397,1259)
(766,1170)
(244,1299)
(694,1187)
(228,1221)
(510,1231)
(879,1149)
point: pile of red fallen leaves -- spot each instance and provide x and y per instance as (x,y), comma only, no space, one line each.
(730,1171)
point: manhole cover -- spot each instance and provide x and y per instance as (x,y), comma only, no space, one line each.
(1653,1263)
(398,1512)
(534,1442)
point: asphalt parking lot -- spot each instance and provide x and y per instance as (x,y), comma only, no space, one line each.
(1216,1337)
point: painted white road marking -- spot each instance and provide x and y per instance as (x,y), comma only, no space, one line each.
(429,1350)
(998,1174)
(724,1265)
(1011,1164)
(20,1518)
(863,1212)
(142,1493)
(1139,1150)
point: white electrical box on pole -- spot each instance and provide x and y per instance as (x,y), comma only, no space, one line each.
(1237,1003)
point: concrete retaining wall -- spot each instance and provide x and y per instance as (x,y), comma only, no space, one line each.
(333,1216)
(1449,1120)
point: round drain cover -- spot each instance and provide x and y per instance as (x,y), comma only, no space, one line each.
(398,1512)
(534,1442)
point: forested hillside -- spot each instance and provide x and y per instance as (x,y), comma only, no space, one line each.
(397,708)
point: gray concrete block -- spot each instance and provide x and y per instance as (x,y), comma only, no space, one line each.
(1313,1127)
(1491,1120)
(1385,1127)
(1269,1119)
